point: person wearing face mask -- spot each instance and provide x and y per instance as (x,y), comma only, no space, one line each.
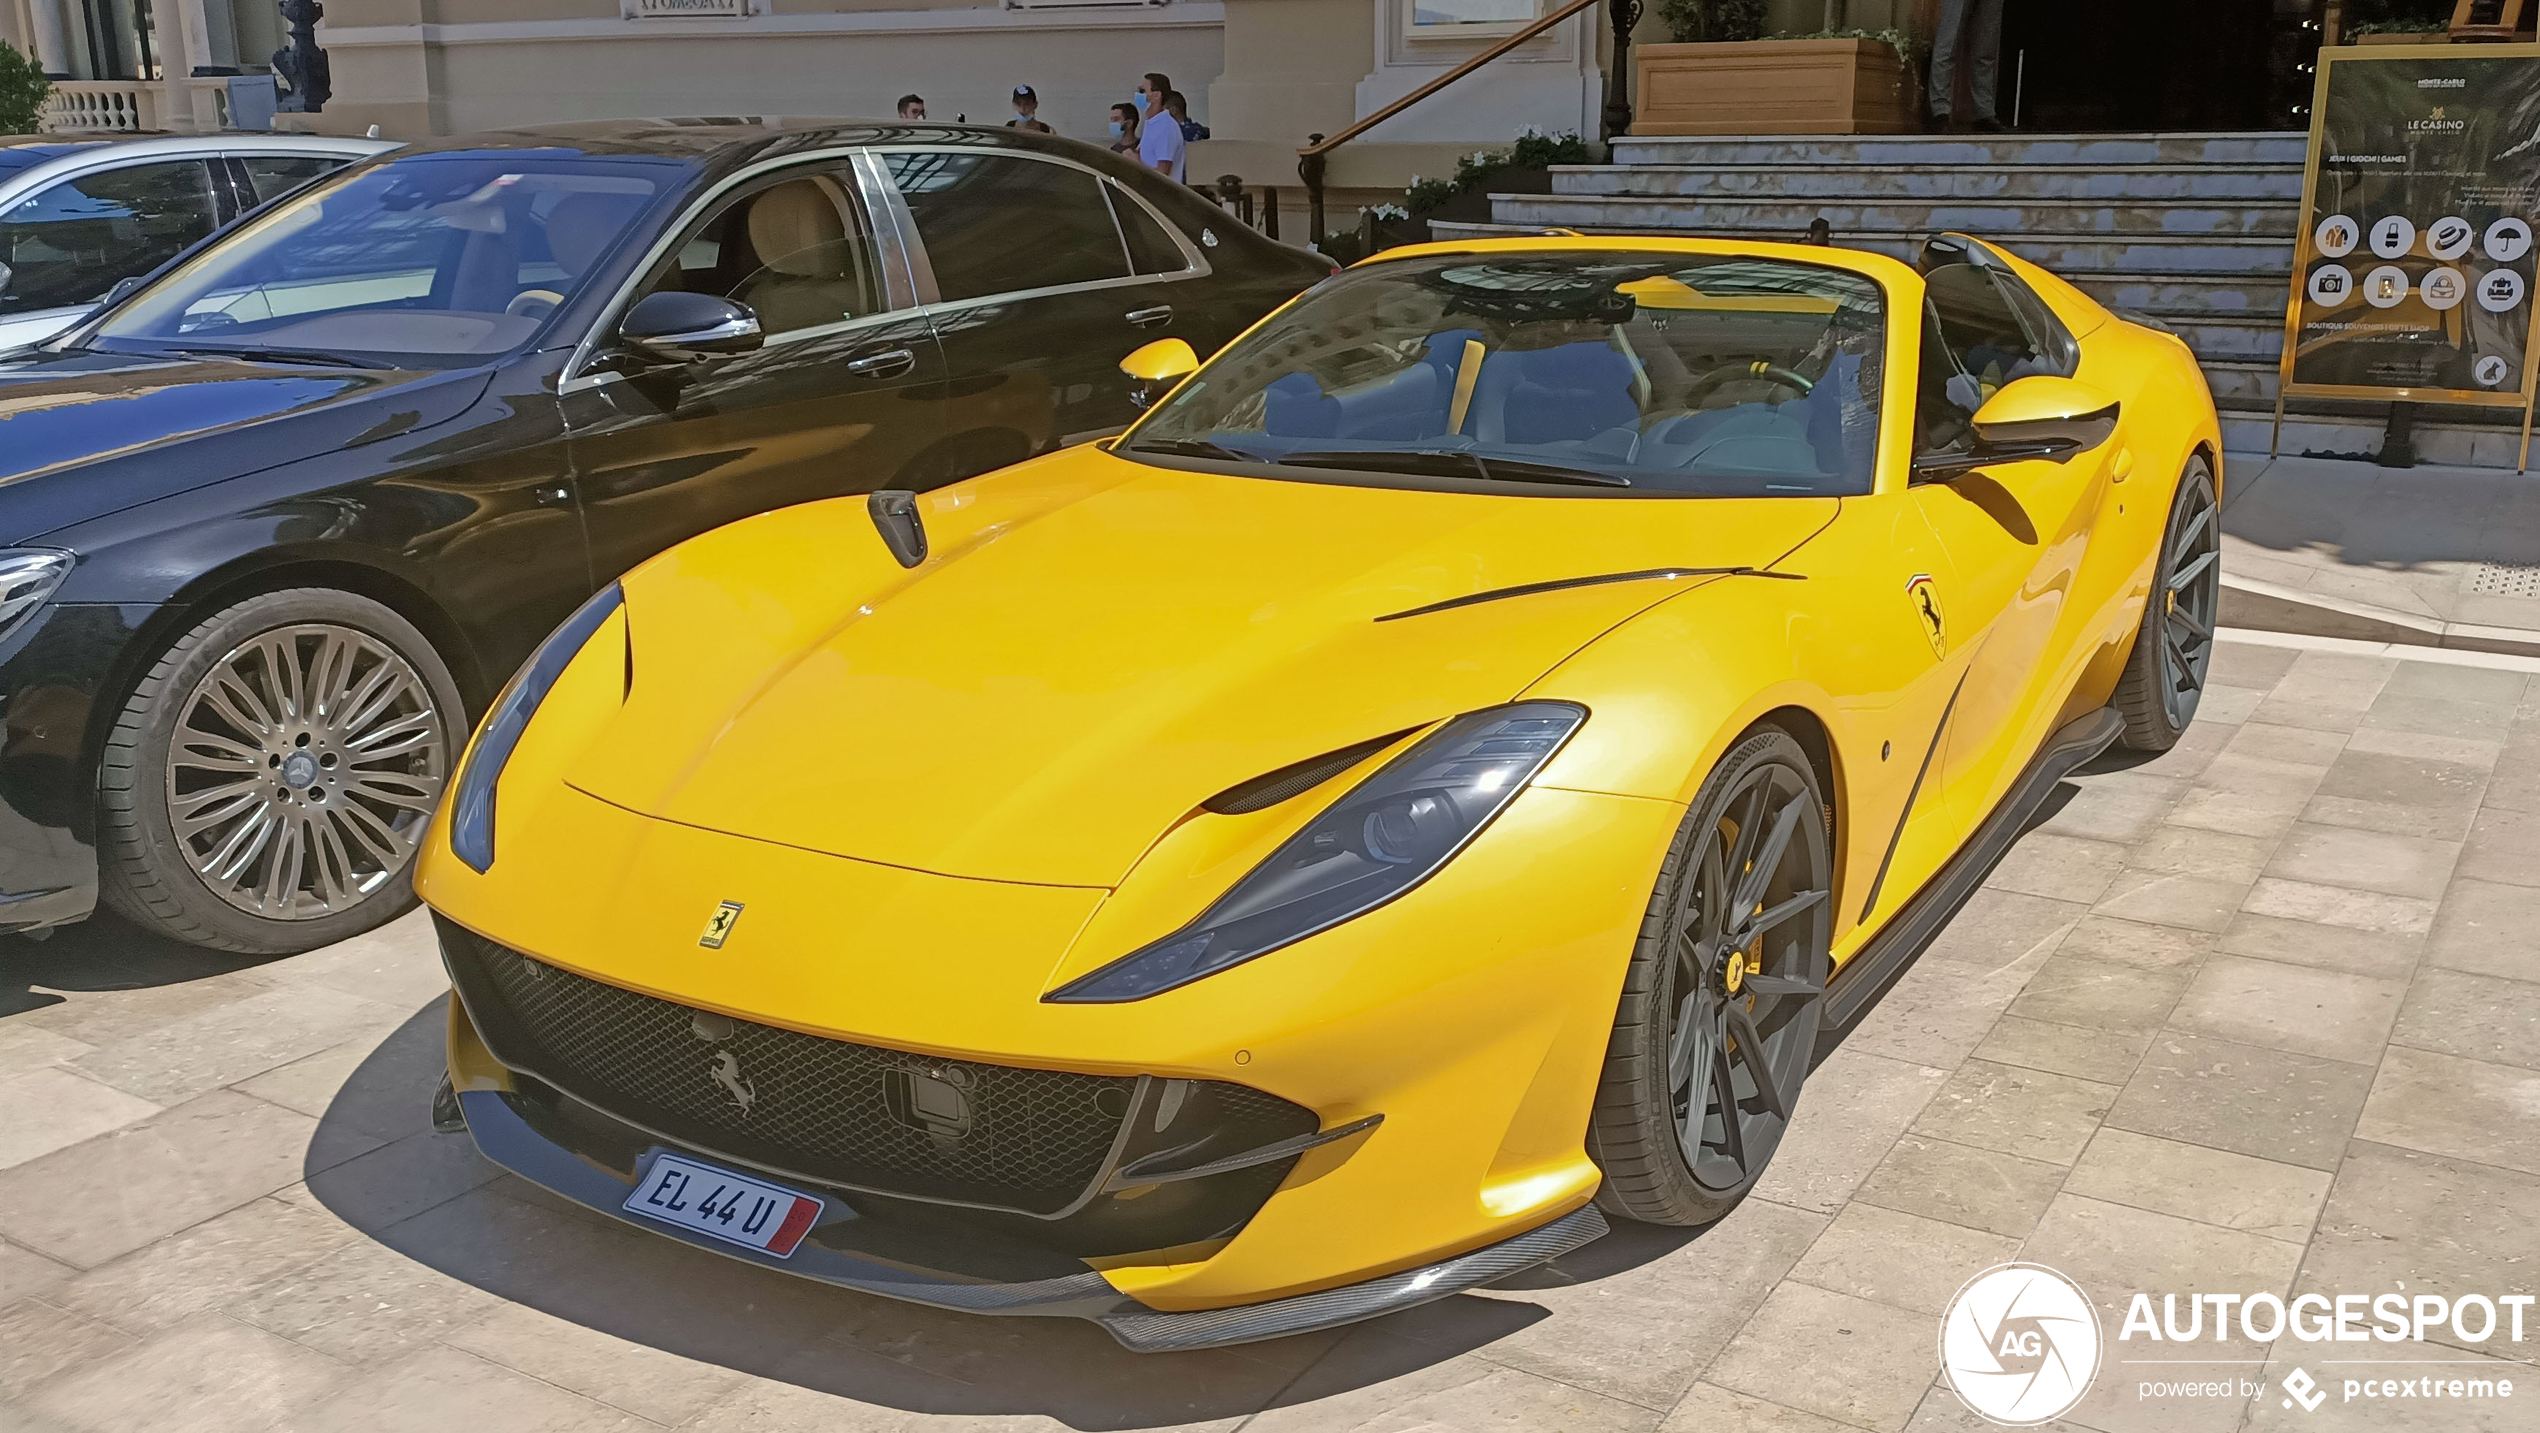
(1192,130)
(1160,142)
(1027,110)
(912,107)
(1124,129)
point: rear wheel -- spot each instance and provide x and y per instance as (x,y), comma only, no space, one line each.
(2165,676)
(1718,1021)
(270,777)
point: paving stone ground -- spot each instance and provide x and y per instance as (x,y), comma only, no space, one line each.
(2262,1014)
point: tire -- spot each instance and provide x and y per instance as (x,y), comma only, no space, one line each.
(1689,995)
(198,837)
(2164,675)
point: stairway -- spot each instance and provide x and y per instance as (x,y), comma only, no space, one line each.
(2195,230)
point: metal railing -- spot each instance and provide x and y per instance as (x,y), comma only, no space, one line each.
(1624,15)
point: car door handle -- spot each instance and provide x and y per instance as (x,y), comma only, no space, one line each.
(552,494)
(1149,317)
(890,363)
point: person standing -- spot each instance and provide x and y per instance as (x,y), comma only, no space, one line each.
(1192,130)
(1160,142)
(912,107)
(1977,26)
(1124,129)
(1027,112)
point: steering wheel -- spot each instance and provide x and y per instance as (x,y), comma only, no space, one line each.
(1726,373)
(543,300)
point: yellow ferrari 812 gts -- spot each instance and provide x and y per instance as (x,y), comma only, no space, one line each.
(1434,784)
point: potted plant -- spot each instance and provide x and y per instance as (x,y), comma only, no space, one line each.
(1724,77)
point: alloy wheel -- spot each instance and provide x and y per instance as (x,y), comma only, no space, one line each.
(2191,597)
(1748,946)
(304,768)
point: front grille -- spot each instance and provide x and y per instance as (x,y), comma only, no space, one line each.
(830,1110)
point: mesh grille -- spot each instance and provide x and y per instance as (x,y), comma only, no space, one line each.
(1034,1139)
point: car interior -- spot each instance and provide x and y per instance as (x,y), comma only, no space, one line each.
(795,253)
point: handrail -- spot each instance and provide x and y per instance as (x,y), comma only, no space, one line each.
(1311,158)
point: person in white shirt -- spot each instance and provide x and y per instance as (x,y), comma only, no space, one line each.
(1160,143)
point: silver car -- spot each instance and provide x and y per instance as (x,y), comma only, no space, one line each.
(78,216)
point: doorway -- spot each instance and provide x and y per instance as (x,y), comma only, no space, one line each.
(2159,64)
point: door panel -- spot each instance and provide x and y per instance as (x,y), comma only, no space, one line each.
(844,397)
(2015,535)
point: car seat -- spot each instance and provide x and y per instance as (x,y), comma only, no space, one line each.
(1553,395)
(809,274)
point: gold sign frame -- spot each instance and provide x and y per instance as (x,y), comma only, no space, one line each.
(2305,251)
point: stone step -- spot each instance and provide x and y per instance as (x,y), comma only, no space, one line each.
(2254,341)
(2468,445)
(2258,298)
(2101,150)
(2041,217)
(2239,257)
(2192,183)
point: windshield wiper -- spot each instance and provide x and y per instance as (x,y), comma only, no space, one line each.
(1456,463)
(1194,448)
(281,355)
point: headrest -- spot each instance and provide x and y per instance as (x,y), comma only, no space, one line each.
(582,226)
(799,228)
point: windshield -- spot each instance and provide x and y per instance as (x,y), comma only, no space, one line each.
(429,261)
(1675,374)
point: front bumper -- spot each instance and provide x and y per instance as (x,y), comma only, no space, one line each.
(52,672)
(875,1255)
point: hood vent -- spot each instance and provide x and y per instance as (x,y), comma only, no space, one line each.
(1269,789)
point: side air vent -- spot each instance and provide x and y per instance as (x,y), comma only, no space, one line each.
(1269,789)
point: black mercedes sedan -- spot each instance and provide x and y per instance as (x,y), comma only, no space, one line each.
(274,525)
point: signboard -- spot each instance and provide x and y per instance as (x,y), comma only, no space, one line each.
(686,9)
(2414,268)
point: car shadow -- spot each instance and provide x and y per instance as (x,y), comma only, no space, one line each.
(101,953)
(518,1242)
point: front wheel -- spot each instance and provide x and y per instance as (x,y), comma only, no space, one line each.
(2174,648)
(1718,1021)
(270,777)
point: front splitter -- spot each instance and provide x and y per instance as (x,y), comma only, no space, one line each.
(510,1141)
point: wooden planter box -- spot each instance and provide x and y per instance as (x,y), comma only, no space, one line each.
(1773,87)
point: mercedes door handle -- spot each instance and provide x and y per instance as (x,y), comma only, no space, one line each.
(890,363)
(1149,317)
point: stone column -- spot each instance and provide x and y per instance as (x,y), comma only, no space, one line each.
(50,39)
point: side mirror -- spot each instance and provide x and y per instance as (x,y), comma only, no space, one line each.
(1157,368)
(679,327)
(2041,417)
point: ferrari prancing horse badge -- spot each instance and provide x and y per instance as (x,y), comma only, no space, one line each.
(719,925)
(1926,599)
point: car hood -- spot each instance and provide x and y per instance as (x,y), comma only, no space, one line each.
(120,419)
(1095,646)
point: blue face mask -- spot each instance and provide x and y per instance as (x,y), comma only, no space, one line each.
(1139,101)
(1118,129)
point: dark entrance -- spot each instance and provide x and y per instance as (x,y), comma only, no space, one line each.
(2159,64)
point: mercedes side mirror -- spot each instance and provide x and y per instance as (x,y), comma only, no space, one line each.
(1157,368)
(2041,417)
(680,327)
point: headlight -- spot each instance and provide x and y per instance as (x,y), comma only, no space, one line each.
(472,806)
(27,577)
(1386,836)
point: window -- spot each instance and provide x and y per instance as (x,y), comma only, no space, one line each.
(1975,341)
(72,242)
(1151,250)
(995,223)
(274,175)
(1572,373)
(433,259)
(796,251)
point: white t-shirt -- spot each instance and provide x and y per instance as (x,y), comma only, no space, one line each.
(1160,145)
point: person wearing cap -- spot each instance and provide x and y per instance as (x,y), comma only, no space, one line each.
(1027,111)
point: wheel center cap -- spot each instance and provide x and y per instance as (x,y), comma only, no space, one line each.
(1733,974)
(299,769)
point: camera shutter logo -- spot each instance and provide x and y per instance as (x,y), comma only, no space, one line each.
(2020,1345)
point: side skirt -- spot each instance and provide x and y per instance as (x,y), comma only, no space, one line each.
(1866,977)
